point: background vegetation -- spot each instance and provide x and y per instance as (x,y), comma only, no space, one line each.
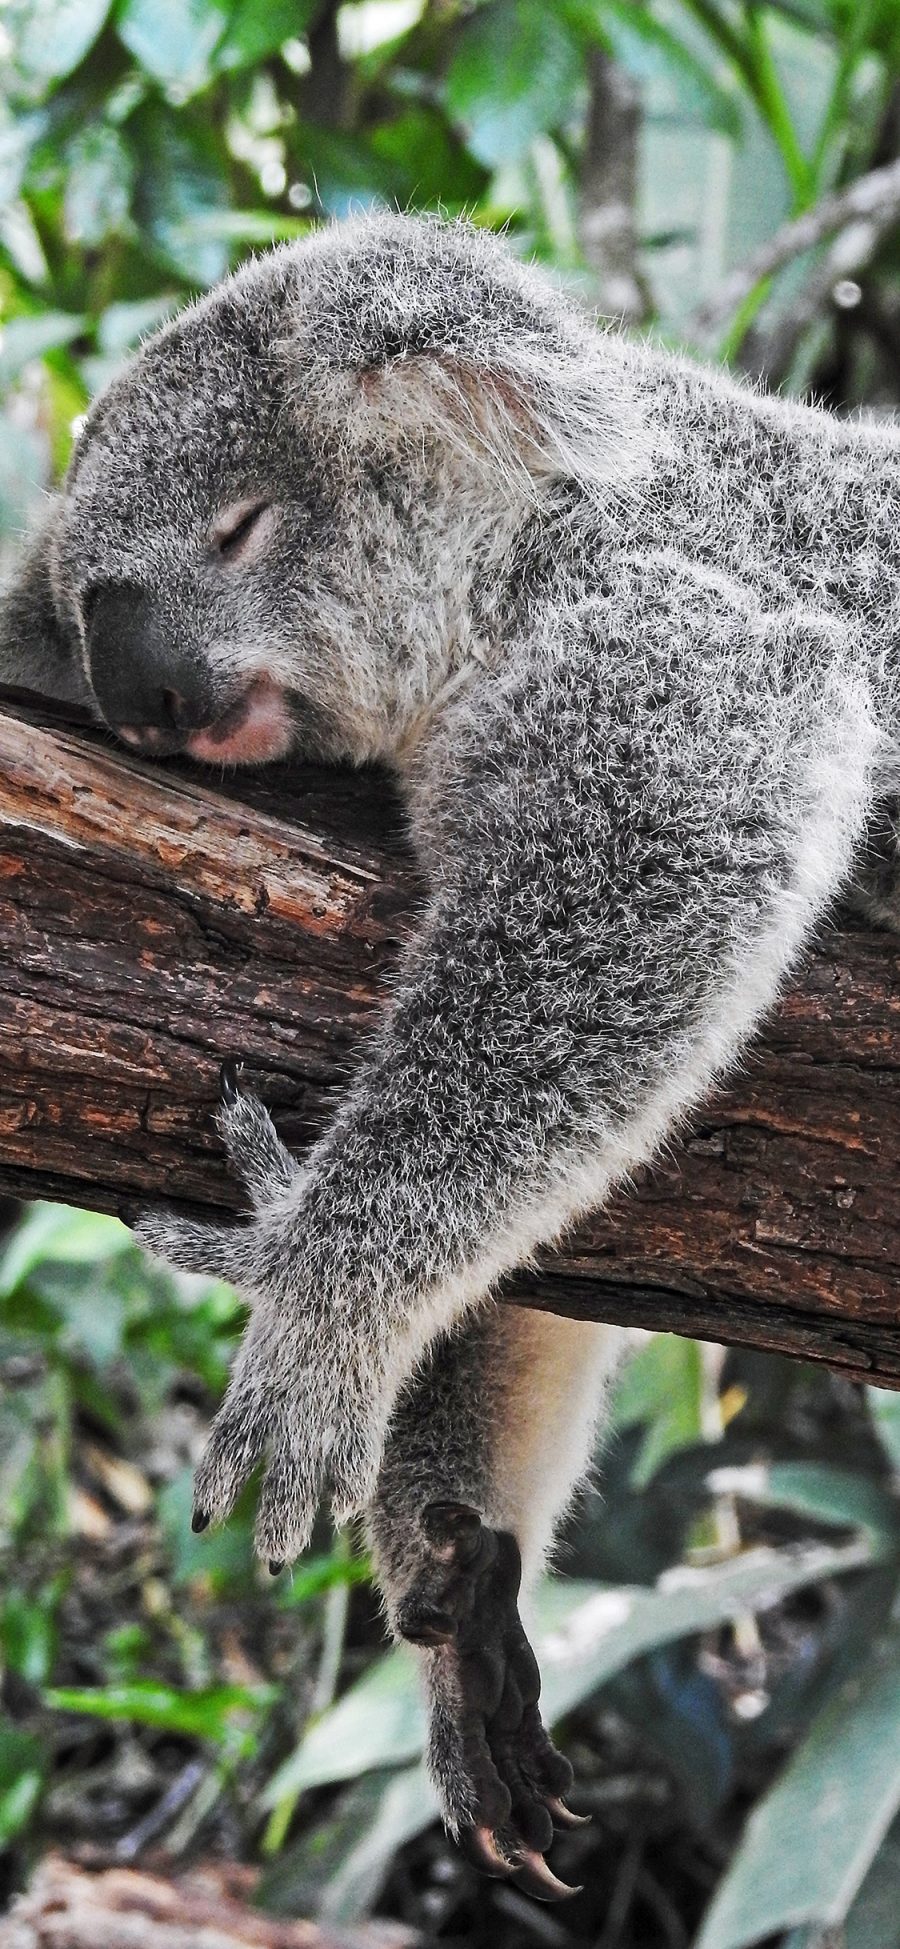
(722,1655)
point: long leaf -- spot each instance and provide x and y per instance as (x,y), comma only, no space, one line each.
(650,51)
(205,1713)
(843,1497)
(809,1844)
(884,1406)
(586,1632)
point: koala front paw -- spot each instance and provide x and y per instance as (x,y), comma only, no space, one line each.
(498,1774)
(291,1403)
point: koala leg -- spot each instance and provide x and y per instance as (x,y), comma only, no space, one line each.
(484,1450)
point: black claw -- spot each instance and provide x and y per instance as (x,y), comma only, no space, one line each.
(199,1521)
(229,1080)
(131,1214)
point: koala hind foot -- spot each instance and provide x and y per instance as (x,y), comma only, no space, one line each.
(499,1776)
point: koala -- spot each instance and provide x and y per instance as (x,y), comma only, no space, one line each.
(627,634)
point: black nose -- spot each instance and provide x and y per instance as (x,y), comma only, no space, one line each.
(144,679)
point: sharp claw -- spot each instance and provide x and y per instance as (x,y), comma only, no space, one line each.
(199,1521)
(229,1080)
(532,1874)
(562,1816)
(479,1844)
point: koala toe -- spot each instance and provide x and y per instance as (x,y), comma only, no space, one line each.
(255,1150)
(212,1251)
(498,1773)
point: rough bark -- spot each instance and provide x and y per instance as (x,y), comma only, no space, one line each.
(150,924)
(67,1908)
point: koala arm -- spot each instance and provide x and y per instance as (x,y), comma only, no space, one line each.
(625,856)
(484,1450)
(38,650)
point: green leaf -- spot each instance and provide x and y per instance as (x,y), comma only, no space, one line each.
(336,1868)
(238,227)
(182,176)
(840,1793)
(312,1576)
(204,1713)
(874,1919)
(121,325)
(18,1450)
(378,1722)
(174,41)
(22,340)
(884,1407)
(662,1387)
(98,185)
(407,1805)
(223,1557)
(22,1762)
(28,1633)
(649,50)
(56,1232)
(437,169)
(513,76)
(50,37)
(829,1495)
(255,30)
(586,1633)
(603,1632)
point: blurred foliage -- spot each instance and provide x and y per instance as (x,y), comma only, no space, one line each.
(725,1641)
(731,1598)
(145,145)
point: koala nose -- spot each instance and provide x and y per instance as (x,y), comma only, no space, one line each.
(147,686)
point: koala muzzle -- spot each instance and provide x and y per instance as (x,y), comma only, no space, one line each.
(149,688)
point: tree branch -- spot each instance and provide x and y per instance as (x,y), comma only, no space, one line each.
(150,925)
(867,209)
(607,191)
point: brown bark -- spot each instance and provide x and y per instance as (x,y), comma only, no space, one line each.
(150,924)
(67,1908)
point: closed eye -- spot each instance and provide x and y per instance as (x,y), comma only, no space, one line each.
(235,525)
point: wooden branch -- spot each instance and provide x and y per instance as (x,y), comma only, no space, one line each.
(868,208)
(150,924)
(67,1907)
(607,191)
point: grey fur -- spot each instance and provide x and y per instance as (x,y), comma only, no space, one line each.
(627,633)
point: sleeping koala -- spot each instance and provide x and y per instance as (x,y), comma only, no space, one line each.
(627,635)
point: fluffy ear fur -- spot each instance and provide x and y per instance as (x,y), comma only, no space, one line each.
(423,331)
(38,651)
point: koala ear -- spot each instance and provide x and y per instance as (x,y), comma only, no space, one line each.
(413,329)
(38,650)
(527,414)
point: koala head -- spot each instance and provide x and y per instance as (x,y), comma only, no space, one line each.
(193,521)
(276,519)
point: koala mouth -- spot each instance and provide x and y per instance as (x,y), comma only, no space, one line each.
(254,730)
